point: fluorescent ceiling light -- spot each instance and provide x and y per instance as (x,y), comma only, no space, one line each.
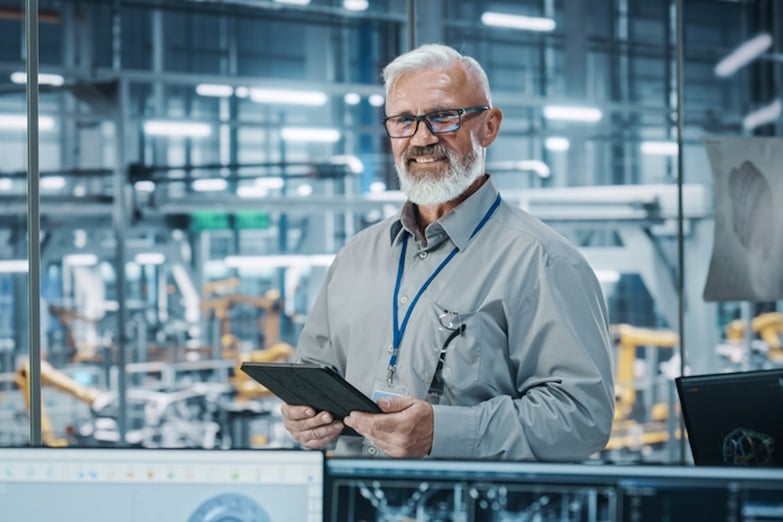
(81,259)
(252,191)
(305,134)
(353,163)
(607,276)
(743,55)
(293,2)
(572,113)
(352,98)
(20,78)
(356,5)
(660,148)
(288,96)
(52,183)
(13,266)
(145,186)
(19,122)
(269,183)
(767,114)
(242,92)
(212,89)
(304,190)
(376,100)
(209,185)
(525,23)
(376,187)
(150,258)
(182,129)
(278,261)
(557,143)
(6,184)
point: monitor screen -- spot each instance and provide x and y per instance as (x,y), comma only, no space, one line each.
(382,489)
(146,485)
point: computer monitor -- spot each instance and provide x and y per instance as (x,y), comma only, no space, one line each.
(734,418)
(468,491)
(151,485)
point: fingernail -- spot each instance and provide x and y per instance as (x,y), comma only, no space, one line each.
(325,417)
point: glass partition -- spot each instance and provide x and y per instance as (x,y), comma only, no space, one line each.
(202,162)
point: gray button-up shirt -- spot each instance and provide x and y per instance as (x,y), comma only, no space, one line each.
(529,378)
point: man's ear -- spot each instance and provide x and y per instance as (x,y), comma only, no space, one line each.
(491,126)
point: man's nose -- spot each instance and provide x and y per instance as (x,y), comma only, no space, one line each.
(423,135)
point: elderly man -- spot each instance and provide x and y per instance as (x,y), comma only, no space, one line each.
(478,330)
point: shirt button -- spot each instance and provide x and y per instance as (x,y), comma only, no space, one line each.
(404,299)
(423,255)
(390,349)
(372,450)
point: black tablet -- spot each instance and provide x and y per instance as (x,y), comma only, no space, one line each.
(311,385)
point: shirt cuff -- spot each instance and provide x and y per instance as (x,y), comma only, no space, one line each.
(455,432)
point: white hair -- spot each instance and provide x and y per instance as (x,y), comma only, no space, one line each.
(433,56)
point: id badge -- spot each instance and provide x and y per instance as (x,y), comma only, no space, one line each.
(382,389)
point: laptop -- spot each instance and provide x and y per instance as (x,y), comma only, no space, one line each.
(734,419)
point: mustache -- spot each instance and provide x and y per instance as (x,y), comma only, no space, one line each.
(435,148)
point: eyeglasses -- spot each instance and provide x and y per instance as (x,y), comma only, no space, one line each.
(448,321)
(438,122)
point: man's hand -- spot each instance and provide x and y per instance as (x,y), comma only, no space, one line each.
(404,429)
(311,429)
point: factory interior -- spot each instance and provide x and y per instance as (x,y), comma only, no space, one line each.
(197,164)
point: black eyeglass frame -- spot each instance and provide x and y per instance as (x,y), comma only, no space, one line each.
(426,119)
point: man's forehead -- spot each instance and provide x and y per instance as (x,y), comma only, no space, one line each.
(433,87)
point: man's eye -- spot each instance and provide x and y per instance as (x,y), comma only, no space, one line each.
(444,116)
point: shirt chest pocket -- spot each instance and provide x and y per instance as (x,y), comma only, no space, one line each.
(468,343)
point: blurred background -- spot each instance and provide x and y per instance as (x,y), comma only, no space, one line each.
(201,161)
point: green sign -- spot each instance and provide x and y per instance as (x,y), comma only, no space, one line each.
(226,221)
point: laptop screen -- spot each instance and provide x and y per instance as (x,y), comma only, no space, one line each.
(468,491)
(734,418)
(150,485)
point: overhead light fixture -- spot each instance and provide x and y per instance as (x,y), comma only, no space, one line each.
(761,116)
(376,100)
(242,92)
(149,258)
(209,185)
(660,148)
(305,134)
(20,78)
(144,186)
(81,260)
(743,55)
(180,129)
(524,23)
(356,5)
(215,90)
(352,98)
(607,276)
(269,182)
(19,122)
(6,184)
(293,2)
(14,266)
(572,113)
(278,261)
(557,143)
(52,183)
(304,190)
(252,191)
(288,96)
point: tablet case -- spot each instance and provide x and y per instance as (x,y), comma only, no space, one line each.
(306,384)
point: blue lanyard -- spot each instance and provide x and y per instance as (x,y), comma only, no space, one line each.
(398,330)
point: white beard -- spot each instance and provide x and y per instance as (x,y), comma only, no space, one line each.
(431,188)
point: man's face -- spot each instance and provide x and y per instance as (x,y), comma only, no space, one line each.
(434,169)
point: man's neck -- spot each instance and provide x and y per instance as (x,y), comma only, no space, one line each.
(427,214)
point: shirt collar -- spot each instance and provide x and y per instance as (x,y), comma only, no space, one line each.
(458,224)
